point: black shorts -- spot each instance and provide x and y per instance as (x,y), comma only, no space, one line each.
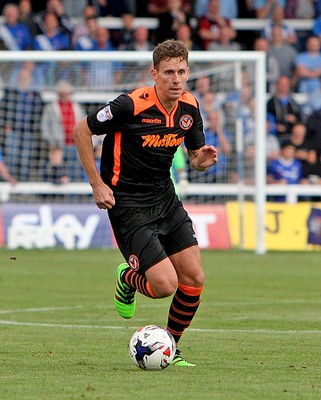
(147,235)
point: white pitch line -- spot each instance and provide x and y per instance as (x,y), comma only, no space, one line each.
(71,326)
(43,309)
(62,325)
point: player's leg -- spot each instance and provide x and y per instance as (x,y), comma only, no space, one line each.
(158,281)
(149,270)
(187,298)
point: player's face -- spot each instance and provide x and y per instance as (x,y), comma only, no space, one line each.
(171,78)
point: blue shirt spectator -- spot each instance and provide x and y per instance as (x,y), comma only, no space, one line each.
(264,8)
(102,75)
(286,169)
(228,8)
(52,39)
(288,33)
(14,35)
(221,139)
(308,66)
(59,41)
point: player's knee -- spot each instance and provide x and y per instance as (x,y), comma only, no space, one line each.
(195,280)
(165,288)
(199,279)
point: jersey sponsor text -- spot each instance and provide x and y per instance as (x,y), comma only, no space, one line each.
(169,140)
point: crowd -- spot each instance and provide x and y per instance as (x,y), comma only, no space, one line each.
(293,66)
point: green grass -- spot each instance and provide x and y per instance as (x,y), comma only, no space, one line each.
(257,334)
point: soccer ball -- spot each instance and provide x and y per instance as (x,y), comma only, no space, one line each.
(152,348)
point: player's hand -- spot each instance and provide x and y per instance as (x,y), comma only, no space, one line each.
(104,196)
(207,156)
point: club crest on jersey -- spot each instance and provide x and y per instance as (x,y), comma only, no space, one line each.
(133,262)
(185,122)
(104,114)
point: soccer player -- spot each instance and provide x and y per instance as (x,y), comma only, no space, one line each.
(154,232)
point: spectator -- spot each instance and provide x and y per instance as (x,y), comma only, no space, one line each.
(272,66)
(14,35)
(140,70)
(157,7)
(264,8)
(55,170)
(228,8)
(4,172)
(27,16)
(300,9)
(85,27)
(51,38)
(221,139)
(224,42)
(184,34)
(272,148)
(88,39)
(287,32)
(286,169)
(140,41)
(308,67)
(20,111)
(73,8)
(284,108)
(125,36)
(209,103)
(170,20)
(203,85)
(102,75)
(64,25)
(206,96)
(284,53)
(241,104)
(57,122)
(208,26)
(35,71)
(301,144)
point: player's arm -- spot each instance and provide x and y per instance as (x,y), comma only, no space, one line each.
(203,158)
(103,195)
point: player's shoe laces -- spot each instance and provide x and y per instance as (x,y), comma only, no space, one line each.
(180,361)
(124,297)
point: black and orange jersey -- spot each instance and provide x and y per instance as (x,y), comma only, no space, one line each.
(140,142)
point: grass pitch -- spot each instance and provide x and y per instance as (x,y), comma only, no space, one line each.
(257,334)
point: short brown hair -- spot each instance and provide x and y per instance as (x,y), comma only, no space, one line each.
(169,49)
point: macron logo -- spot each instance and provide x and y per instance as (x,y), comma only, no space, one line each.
(151,121)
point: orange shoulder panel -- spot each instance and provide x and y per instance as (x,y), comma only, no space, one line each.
(143,98)
(187,97)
